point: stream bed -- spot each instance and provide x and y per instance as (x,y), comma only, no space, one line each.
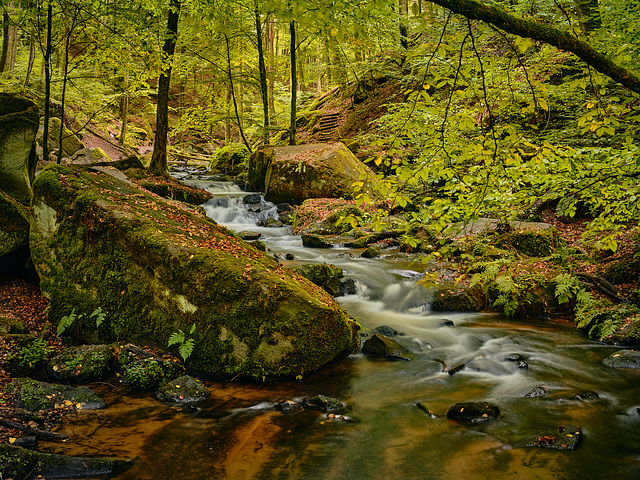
(238,434)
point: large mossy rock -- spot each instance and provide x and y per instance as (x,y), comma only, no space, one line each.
(321,216)
(157,266)
(33,395)
(70,141)
(295,173)
(86,363)
(19,119)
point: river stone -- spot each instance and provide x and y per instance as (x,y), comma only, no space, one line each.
(181,390)
(385,330)
(19,119)
(82,364)
(18,462)
(371,252)
(158,266)
(293,174)
(585,396)
(249,236)
(323,403)
(473,412)
(143,371)
(382,346)
(537,391)
(315,241)
(252,199)
(33,395)
(561,438)
(623,359)
(453,299)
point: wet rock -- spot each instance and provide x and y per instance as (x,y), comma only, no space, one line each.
(142,371)
(18,462)
(382,346)
(26,442)
(249,236)
(385,330)
(518,359)
(328,277)
(446,323)
(33,395)
(349,286)
(286,406)
(14,228)
(270,223)
(562,438)
(537,391)
(425,408)
(81,364)
(453,299)
(456,369)
(473,412)
(252,199)
(586,396)
(283,207)
(184,389)
(87,156)
(623,359)
(323,403)
(315,241)
(371,252)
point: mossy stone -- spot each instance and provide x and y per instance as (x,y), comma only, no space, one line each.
(609,323)
(82,364)
(184,389)
(33,395)
(473,412)
(382,346)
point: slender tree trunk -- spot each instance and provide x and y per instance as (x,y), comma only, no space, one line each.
(294,85)
(271,48)
(65,73)
(159,164)
(124,111)
(4,56)
(47,85)
(233,96)
(508,22)
(264,91)
(403,8)
(227,119)
(32,57)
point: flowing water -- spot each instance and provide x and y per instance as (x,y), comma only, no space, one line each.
(237,434)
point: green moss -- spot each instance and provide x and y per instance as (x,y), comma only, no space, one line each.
(230,159)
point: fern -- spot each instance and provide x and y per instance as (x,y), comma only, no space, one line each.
(99,315)
(66,322)
(185,345)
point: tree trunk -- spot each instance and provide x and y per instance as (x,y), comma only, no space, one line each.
(32,57)
(508,22)
(124,112)
(264,91)
(227,118)
(4,57)
(159,164)
(47,86)
(65,74)
(589,14)
(233,96)
(271,47)
(403,7)
(294,85)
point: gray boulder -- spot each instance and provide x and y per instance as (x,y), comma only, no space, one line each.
(623,359)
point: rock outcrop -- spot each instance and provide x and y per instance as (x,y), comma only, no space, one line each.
(295,173)
(156,266)
(18,127)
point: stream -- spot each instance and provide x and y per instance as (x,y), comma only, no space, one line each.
(237,433)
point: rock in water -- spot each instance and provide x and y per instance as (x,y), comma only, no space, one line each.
(562,438)
(473,412)
(156,266)
(181,390)
(382,346)
(623,359)
(295,173)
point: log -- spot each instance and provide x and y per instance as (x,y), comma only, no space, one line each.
(36,432)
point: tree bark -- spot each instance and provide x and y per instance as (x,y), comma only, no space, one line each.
(4,57)
(233,96)
(294,85)
(124,112)
(159,164)
(508,22)
(271,47)
(403,7)
(264,91)
(47,86)
(32,57)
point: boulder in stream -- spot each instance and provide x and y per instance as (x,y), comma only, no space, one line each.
(315,241)
(156,266)
(18,462)
(184,389)
(33,395)
(623,359)
(561,438)
(473,412)
(382,346)
(323,403)
(295,173)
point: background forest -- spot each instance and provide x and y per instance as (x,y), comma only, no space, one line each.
(459,118)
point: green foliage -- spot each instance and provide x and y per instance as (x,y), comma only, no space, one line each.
(185,344)
(32,354)
(569,290)
(67,321)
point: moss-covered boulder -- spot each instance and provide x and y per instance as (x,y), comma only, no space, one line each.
(453,298)
(382,346)
(296,173)
(82,364)
(156,267)
(184,389)
(328,277)
(19,119)
(532,242)
(610,323)
(33,395)
(473,412)
(14,228)
(142,371)
(623,359)
(230,159)
(168,187)
(18,462)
